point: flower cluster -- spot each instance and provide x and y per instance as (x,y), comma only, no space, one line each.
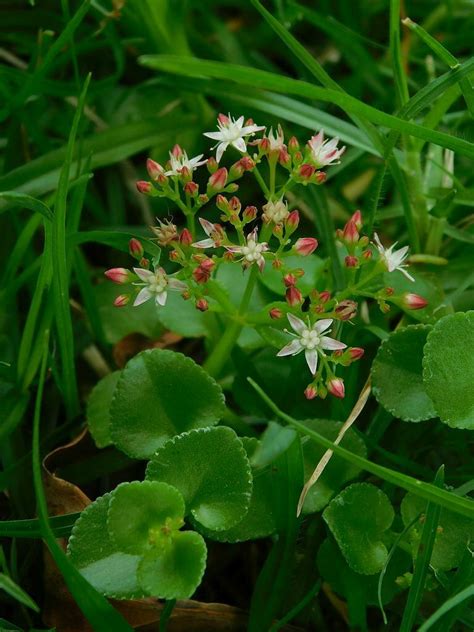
(259,237)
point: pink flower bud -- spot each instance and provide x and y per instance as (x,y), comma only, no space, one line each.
(320,177)
(293,296)
(185,174)
(212,164)
(310,392)
(275,313)
(293,144)
(135,248)
(223,118)
(218,180)
(250,213)
(357,219)
(191,188)
(414,301)
(174,255)
(389,291)
(351,261)
(144,187)
(186,238)
(202,305)
(122,300)
(155,170)
(144,263)
(222,203)
(324,296)
(350,234)
(367,254)
(336,387)
(235,204)
(356,353)
(289,280)
(118,275)
(264,145)
(306,246)
(307,171)
(177,151)
(284,158)
(292,221)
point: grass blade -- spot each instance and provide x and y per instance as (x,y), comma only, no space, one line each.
(8,585)
(422,562)
(26,201)
(61,526)
(464,595)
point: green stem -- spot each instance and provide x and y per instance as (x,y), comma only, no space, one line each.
(221,351)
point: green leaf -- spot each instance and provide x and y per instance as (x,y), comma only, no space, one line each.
(397,380)
(453,535)
(175,571)
(182,317)
(151,509)
(93,553)
(161,394)
(448,369)
(337,472)
(11,588)
(98,409)
(26,201)
(274,441)
(358,519)
(312,266)
(258,522)
(218,487)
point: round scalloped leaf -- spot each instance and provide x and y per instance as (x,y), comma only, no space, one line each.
(140,511)
(210,468)
(98,409)
(159,395)
(397,380)
(93,553)
(258,522)
(452,536)
(175,570)
(358,518)
(448,369)
(337,472)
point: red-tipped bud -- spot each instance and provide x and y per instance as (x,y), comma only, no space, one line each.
(307,171)
(223,118)
(336,387)
(202,305)
(293,296)
(310,392)
(234,204)
(389,291)
(186,238)
(264,145)
(222,203)
(306,246)
(144,187)
(292,221)
(212,164)
(350,234)
(284,158)
(228,256)
(135,248)
(203,199)
(414,301)
(277,264)
(351,261)
(289,280)
(191,189)
(177,151)
(118,275)
(367,254)
(320,177)
(324,296)
(250,213)
(185,174)
(357,219)
(155,170)
(356,353)
(144,263)
(293,144)
(275,313)
(297,158)
(122,300)
(174,255)
(218,180)
(278,230)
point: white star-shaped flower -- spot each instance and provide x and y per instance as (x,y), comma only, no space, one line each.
(252,251)
(155,284)
(393,259)
(232,132)
(214,232)
(180,160)
(325,152)
(310,339)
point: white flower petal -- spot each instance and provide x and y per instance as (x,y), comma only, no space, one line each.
(297,324)
(213,135)
(322,325)
(221,147)
(144,275)
(234,249)
(204,243)
(330,344)
(142,297)
(160,299)
(176,284)
(239,144)
(311,356)
(292,348)
(207,226)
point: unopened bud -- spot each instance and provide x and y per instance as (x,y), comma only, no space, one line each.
(293,296)
(118,275)
(222,203)
(351,261)
(356,353)
(289,280)
(364,241)
(306,171)
(212,165)
(389,291)
(186,238)
(202,305)
(277,264)
(275,313)
(203,199)
(250,213)
(174,255)
(191,189)
(135,248)
(310,392)
(177,151)
(293,145)
(357,219)
(350,233)
(144,187)
(144,263)
(284,158)
(234,204)
(306,246)
(324,296)
(336,387)
(367,254)
(414,301)
(155,170)
(218,179)
(292,221)
(122,300)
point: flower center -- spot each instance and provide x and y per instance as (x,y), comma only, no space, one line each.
(158,284)
(310,339)
(252,251)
